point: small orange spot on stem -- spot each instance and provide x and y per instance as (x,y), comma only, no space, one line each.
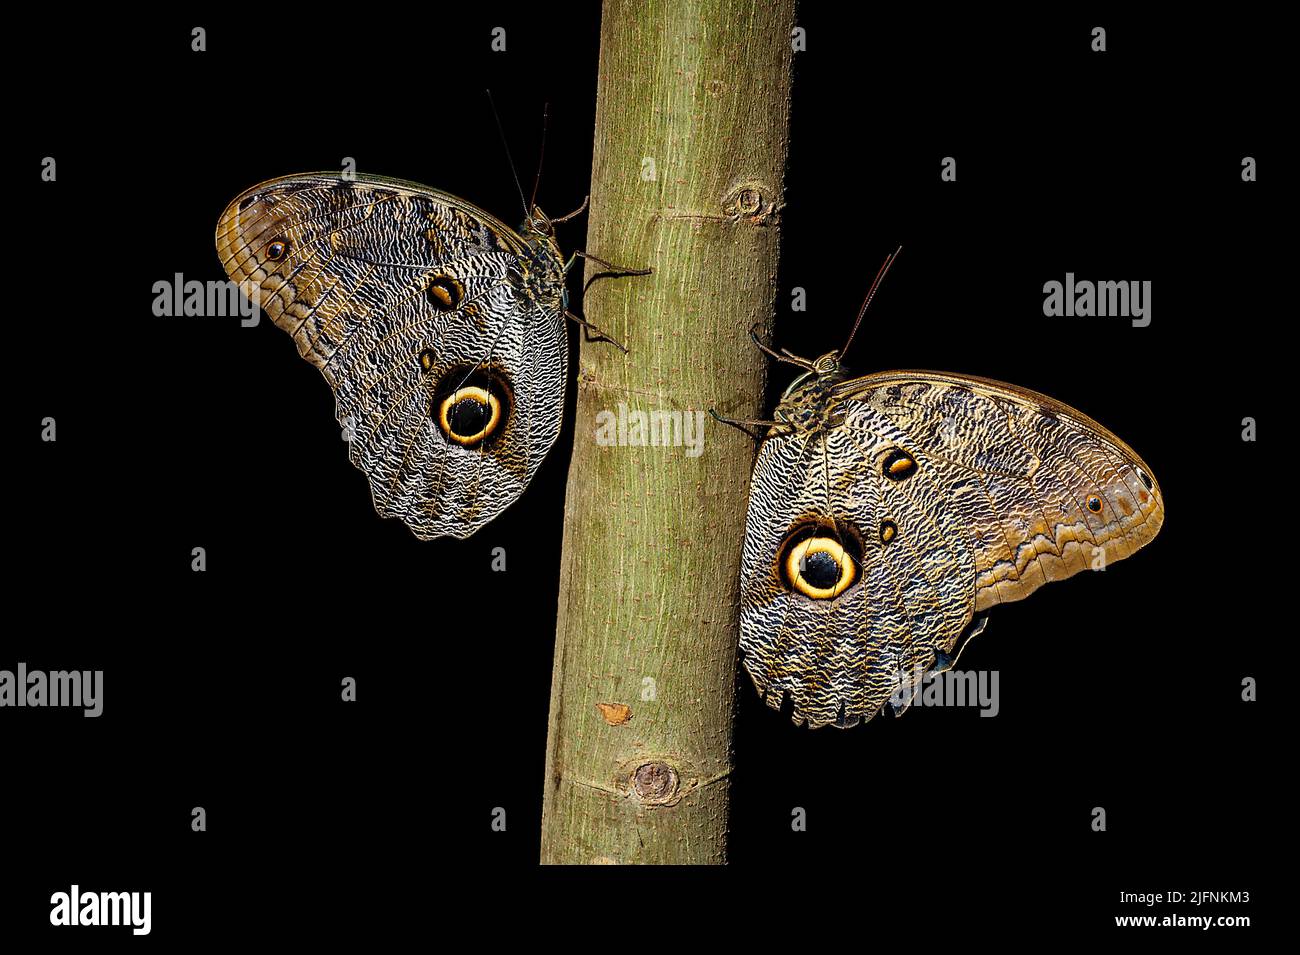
(615,714)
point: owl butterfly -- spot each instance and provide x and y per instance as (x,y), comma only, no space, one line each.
(439,329)
(885,512)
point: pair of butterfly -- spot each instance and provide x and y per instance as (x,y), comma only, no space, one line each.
(885,512)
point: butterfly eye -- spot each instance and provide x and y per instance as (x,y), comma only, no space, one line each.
(898,465)
(445,293)
(277,250)
(819,565)
(471,405)
(1094,504)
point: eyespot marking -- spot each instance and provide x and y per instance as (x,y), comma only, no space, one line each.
(898,465)
(445,293)
(819,561)
(468,415)
(471,405)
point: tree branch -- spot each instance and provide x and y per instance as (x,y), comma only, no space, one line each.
(692,128)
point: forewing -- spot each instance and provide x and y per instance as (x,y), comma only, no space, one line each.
(960,493)
(396,292)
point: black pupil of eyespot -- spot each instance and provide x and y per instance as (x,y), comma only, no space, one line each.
(468,417)
(1146,480)
(820,570)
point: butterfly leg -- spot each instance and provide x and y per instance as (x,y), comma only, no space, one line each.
(614,271)
(576,212)
(744,424)
(594,332)
(783,355)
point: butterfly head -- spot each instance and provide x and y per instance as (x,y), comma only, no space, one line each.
(827,364)
(823,372)
(538,224)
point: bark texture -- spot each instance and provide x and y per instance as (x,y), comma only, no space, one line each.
(692,127)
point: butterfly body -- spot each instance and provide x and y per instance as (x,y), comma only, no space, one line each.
(807,403)
(439,329)
(886,511)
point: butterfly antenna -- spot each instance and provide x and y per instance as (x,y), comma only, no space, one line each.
(871,293)
(541,154)
(501,131)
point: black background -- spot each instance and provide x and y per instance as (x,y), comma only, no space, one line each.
(1119,690)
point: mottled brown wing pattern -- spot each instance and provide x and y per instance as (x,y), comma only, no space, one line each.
(1045,487)
(997,490)
(839,658)
(398,293)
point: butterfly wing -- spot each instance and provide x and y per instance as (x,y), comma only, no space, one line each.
(952,494)
(419,310)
